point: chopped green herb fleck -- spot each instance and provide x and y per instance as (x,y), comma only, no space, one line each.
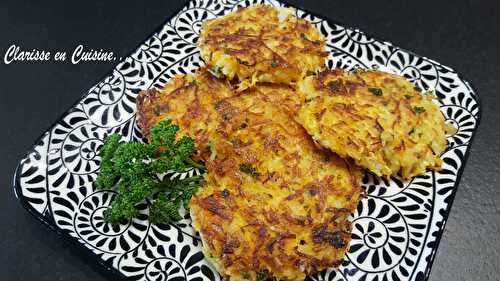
(309,99)
(215,71)
(250,170)
(245,275)
(429,93)
(260,276)
(417,88)
(375,91)
(303,37)
(333,85)
(274,64)
(411,131)
(225,193)
(418,109)
(408,97)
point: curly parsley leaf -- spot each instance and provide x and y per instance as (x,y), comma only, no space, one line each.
(108,175)
(164,210)
(135,166)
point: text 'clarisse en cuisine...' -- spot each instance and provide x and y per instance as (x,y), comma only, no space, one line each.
(15,54)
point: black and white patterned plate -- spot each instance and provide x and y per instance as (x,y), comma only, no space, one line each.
(396,229)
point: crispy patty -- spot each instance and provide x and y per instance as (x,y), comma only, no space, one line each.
(380,120)
(273,204)
(261,43)
(186,99)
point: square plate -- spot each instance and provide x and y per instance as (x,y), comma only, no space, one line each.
(396,229)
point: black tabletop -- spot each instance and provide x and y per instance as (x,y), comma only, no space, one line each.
(462,34)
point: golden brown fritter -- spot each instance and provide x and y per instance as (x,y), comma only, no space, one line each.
(273,204)
(186,99)
(380,120)
(261,43)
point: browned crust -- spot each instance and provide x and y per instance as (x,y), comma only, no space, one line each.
(205,109)
(368,115)
(255,37)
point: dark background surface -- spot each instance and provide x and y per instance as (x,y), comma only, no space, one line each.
(462,34)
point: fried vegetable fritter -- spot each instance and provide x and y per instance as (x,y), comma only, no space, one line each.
(186,99)
(380,120)
(273,203)
(261,43)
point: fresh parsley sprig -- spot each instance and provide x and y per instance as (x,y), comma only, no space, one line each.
(132,168)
